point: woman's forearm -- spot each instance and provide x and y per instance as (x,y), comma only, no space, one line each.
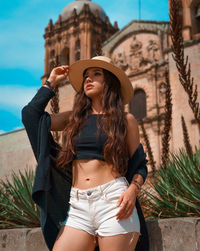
(136,183)
(32,112)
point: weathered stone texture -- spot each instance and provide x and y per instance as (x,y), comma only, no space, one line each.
(177,234)
(22,240)
(15,152)
(35,241)
(13,240)
(197,234)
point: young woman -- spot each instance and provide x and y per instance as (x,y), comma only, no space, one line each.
(98,141)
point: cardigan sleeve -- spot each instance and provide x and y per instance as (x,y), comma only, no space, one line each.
(51,189)
(31,114)
(137,164)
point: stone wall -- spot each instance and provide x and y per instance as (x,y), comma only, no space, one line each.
(176,234)
(22,240)
(180,100)
(15,152)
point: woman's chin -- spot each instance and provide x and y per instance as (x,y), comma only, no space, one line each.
(91,94)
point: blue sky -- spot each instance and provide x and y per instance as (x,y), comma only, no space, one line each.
(22,24)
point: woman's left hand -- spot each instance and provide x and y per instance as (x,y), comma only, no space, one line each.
(127,201)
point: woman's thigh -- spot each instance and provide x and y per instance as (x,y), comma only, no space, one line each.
(121,242)
(72,239)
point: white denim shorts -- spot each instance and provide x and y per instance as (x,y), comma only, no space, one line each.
(94,210)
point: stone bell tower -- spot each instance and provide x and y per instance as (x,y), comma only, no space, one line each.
(191,19)
(77,34)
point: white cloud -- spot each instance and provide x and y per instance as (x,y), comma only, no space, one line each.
(16,96)
(17,128)
(2,132)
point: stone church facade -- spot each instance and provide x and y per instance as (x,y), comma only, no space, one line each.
(142,50)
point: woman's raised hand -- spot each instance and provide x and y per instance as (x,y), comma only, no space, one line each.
(58,74)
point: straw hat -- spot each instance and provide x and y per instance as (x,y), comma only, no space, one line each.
(77,69)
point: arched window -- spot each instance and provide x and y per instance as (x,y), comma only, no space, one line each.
(52,54)
(138,104)
(64,60)
(97,48)
(52,60)
(77,50)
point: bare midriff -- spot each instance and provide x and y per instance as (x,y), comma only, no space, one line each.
(89,173)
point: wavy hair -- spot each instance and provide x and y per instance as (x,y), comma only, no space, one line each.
(114,124)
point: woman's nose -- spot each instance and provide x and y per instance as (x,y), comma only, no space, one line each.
(88,79)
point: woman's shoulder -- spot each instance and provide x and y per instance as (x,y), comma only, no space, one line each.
(133,138)
(130,118)
(132,125)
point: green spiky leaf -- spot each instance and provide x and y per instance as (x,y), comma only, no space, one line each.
(175,191)
(17,209)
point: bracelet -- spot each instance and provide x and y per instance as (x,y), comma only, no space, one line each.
(137,184)
(49,85)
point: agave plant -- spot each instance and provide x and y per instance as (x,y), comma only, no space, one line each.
(17,209)
(175,191)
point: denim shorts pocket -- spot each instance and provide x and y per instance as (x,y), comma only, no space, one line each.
(113,195)
(73,202)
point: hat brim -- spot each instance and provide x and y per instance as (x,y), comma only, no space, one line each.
(77,69)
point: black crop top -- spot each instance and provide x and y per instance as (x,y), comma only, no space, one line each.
(89,142)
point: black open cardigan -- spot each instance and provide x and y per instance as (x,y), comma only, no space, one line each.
(52,186)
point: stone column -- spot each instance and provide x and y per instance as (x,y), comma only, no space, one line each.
(71,47)
(83,44)
(46,58)
(187,23)
(88,40)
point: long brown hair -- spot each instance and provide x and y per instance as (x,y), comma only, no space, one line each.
(114,124)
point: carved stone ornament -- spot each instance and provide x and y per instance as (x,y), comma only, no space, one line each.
(153,50)
(162,88)
(136,55)
(121,61)
(135,46)
(162,92)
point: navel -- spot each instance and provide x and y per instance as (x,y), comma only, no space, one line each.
(87,179)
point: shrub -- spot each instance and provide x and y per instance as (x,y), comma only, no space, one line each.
(17,209)
(175,191)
